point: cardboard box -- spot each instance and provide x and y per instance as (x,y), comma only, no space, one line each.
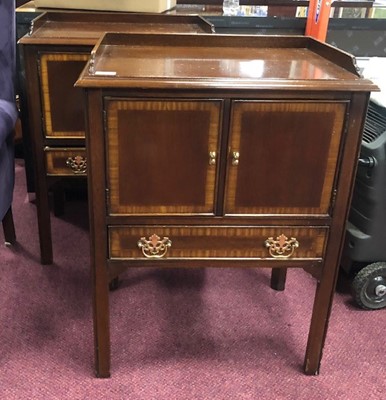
(156,6)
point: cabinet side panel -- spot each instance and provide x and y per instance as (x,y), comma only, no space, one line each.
(63,109)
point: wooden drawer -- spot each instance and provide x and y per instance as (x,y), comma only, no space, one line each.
(66,161)
(202,242)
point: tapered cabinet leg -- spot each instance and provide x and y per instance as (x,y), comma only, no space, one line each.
(44,225)
(319,322)
(59,200)
(114,284)
(101,322)
(44,222)
(278,278)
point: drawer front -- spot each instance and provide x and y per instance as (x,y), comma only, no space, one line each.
(202,242)
(66,162)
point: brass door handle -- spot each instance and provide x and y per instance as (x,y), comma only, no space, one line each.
(235,158)
(77,164)
(154,246)
(282,246)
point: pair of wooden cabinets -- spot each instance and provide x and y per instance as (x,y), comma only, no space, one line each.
(202,150)
(227,151)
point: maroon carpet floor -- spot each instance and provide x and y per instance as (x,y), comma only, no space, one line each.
(176,334)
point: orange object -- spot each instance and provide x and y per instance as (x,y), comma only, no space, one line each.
(317,19)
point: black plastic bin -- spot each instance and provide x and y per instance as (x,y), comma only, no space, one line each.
(365,246)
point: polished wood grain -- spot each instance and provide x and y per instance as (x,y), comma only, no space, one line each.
(217,242)
(228,61)
(154,146)
(55,51)
(85,28)
(262,132)
(62,104)
(289,113)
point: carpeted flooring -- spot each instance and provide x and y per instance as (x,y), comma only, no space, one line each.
(176,334)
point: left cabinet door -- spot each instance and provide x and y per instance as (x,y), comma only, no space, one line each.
(162,155)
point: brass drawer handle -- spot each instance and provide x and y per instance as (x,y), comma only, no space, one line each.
(78,164)
(154,246)
(212,158)
(281,247)
(235,158)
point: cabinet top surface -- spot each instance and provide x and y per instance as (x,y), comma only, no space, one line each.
(220,61)
(81,28)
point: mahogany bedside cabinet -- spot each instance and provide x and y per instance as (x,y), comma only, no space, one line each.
(54,52)
(220,151)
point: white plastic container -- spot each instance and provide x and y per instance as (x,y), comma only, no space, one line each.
(231,7)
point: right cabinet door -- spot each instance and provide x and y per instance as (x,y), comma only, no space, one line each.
(282,157)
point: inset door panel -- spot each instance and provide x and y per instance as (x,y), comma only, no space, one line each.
(155,147)
(282,157)
(63,109)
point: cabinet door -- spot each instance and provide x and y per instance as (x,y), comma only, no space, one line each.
(62,103)
(162,155)
(282,156)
